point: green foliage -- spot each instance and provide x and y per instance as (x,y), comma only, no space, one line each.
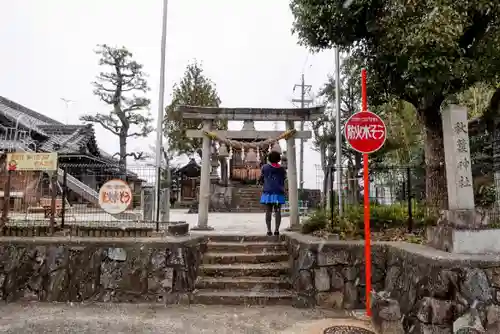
(404,133)
(382,217)
(194,89)
(417,51)
(485,196)
(316,221)
(120,87)
(412,49)
(350,92)
(477,98)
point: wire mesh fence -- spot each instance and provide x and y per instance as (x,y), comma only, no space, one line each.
(80,194)
(397,188)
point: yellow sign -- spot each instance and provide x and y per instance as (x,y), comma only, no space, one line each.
(27,161)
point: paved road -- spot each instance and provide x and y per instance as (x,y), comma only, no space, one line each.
(124,319)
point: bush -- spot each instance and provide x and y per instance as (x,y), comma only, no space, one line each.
(485,196)
(317,220)
(352,224)
(381,216)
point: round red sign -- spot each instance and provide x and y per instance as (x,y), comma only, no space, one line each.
(365,132)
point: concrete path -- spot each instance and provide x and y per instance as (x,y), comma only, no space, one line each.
(126,318)
(231,223)
(223,223)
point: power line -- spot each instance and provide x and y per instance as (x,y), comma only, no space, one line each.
(304,90)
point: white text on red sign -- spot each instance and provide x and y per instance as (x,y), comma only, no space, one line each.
(363,132)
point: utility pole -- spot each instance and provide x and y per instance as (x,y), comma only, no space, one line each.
(338,133)
(67,103)
(304,90)
(159,131)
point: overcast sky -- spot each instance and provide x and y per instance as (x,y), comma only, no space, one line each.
(246,48)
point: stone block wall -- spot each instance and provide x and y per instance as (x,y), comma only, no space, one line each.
(332,274)
(100,269)
(437,292)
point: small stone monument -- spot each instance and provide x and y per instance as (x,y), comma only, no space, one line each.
(460,229)
(461,209)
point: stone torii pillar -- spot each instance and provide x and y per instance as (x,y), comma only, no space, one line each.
(204,195)
(210,114)
(293,192)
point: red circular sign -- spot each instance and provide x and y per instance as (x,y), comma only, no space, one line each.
(365,132)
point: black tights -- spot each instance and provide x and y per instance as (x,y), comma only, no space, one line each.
(269,213)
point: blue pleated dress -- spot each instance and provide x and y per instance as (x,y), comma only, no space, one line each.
(274,184)
(266,198)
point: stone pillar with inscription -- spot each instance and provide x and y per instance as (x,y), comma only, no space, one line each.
(461,209)
(496,162)
(459,230)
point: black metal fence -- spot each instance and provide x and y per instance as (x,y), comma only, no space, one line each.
(99,192)
(397,189)
(82,194)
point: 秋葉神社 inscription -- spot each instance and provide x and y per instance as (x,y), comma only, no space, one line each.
(457,158)
(462,148)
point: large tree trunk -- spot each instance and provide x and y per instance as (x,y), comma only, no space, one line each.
(435,172)
(123,151)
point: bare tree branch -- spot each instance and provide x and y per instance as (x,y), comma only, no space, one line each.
(106,121)
(136,155)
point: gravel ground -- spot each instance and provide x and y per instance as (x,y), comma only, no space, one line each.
(124,319)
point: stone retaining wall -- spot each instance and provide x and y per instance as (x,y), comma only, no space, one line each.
(76,230)
(435,291)
(160,270)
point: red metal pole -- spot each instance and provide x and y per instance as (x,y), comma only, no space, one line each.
(366,193)
(364,102)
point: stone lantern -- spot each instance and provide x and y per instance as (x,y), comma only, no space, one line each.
(251,157)
(276,148)
(214,163)
(223,152)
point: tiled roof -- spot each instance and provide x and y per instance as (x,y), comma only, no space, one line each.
(60,137)
(26,117)
(66,138)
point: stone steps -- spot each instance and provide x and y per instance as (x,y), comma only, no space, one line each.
(245,238)
(242,297)
(244,282)
(249,200)
(255,258)
(253,198)
(276,269)
(246,247)
(250,194)
(244,270)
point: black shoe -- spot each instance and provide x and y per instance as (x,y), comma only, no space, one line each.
(269,233)
(276,233)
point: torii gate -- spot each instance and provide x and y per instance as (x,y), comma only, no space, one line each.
(210,114)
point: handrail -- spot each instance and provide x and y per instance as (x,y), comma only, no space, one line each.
(91,194)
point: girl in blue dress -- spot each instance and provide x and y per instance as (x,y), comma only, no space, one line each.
(273,177)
